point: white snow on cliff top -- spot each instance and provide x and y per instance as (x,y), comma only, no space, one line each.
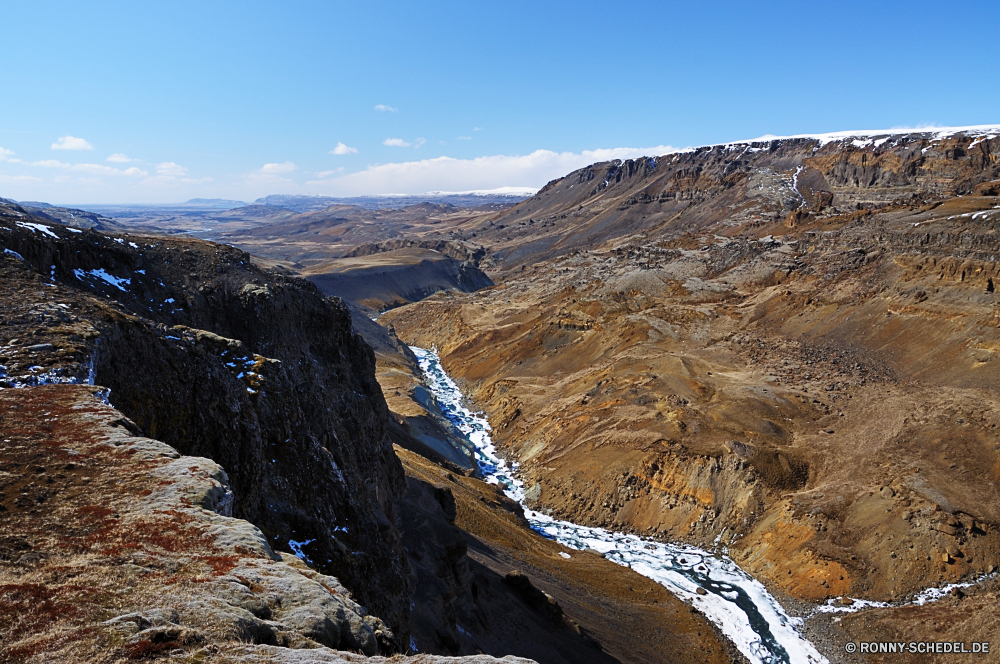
(937,132)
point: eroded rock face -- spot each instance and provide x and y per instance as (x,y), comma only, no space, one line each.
(203,351)
(752,184)
(115,547)
(94,506)
(672,352)
(379,281)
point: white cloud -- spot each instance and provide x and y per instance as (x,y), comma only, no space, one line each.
(343,149)
(286,167)
(482,173)
(400,143)
(119,158)
(99,169)
(71,143)
(170,169)
(94,169)
(384,108)
(477,129)
(18,179)
(465,138)
(7,155)
(326,174)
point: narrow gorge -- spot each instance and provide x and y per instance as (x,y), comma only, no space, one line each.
(740,606)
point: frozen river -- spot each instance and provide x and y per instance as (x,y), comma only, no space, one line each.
(739,604)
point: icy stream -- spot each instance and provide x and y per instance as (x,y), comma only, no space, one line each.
(736,602)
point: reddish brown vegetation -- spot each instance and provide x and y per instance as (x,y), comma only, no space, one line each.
(146,649)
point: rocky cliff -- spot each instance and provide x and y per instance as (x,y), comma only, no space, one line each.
(114,547)
(210,355)
(196,347)
(744,185)
(381,280)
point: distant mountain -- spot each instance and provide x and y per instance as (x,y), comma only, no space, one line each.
(214,202)
(464,199)
(255,211)
(59,215)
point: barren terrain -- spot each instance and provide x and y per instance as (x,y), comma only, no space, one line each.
(309,471)
(786,350)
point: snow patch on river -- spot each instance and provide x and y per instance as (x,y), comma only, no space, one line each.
(739,604)
(925,596)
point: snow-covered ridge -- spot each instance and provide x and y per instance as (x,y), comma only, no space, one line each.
(860,138)
(100,273)
(38,228)
(936,133)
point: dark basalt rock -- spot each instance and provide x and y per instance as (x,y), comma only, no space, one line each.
(259,372)
(535,598)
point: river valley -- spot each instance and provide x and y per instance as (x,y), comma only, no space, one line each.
(740,605)
(738,404)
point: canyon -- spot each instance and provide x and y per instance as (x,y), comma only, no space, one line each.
(783,349)
(267,515)
(781,352)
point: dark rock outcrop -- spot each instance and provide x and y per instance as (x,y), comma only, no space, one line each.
(217,358)
(114,547)
(397,277)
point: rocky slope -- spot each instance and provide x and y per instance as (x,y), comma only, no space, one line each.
(267,377)
(743,187)
(216,358)
(464,539)
(114,547)
(783,347)
(515,592)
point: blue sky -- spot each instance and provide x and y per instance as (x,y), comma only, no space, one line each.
(240,100)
